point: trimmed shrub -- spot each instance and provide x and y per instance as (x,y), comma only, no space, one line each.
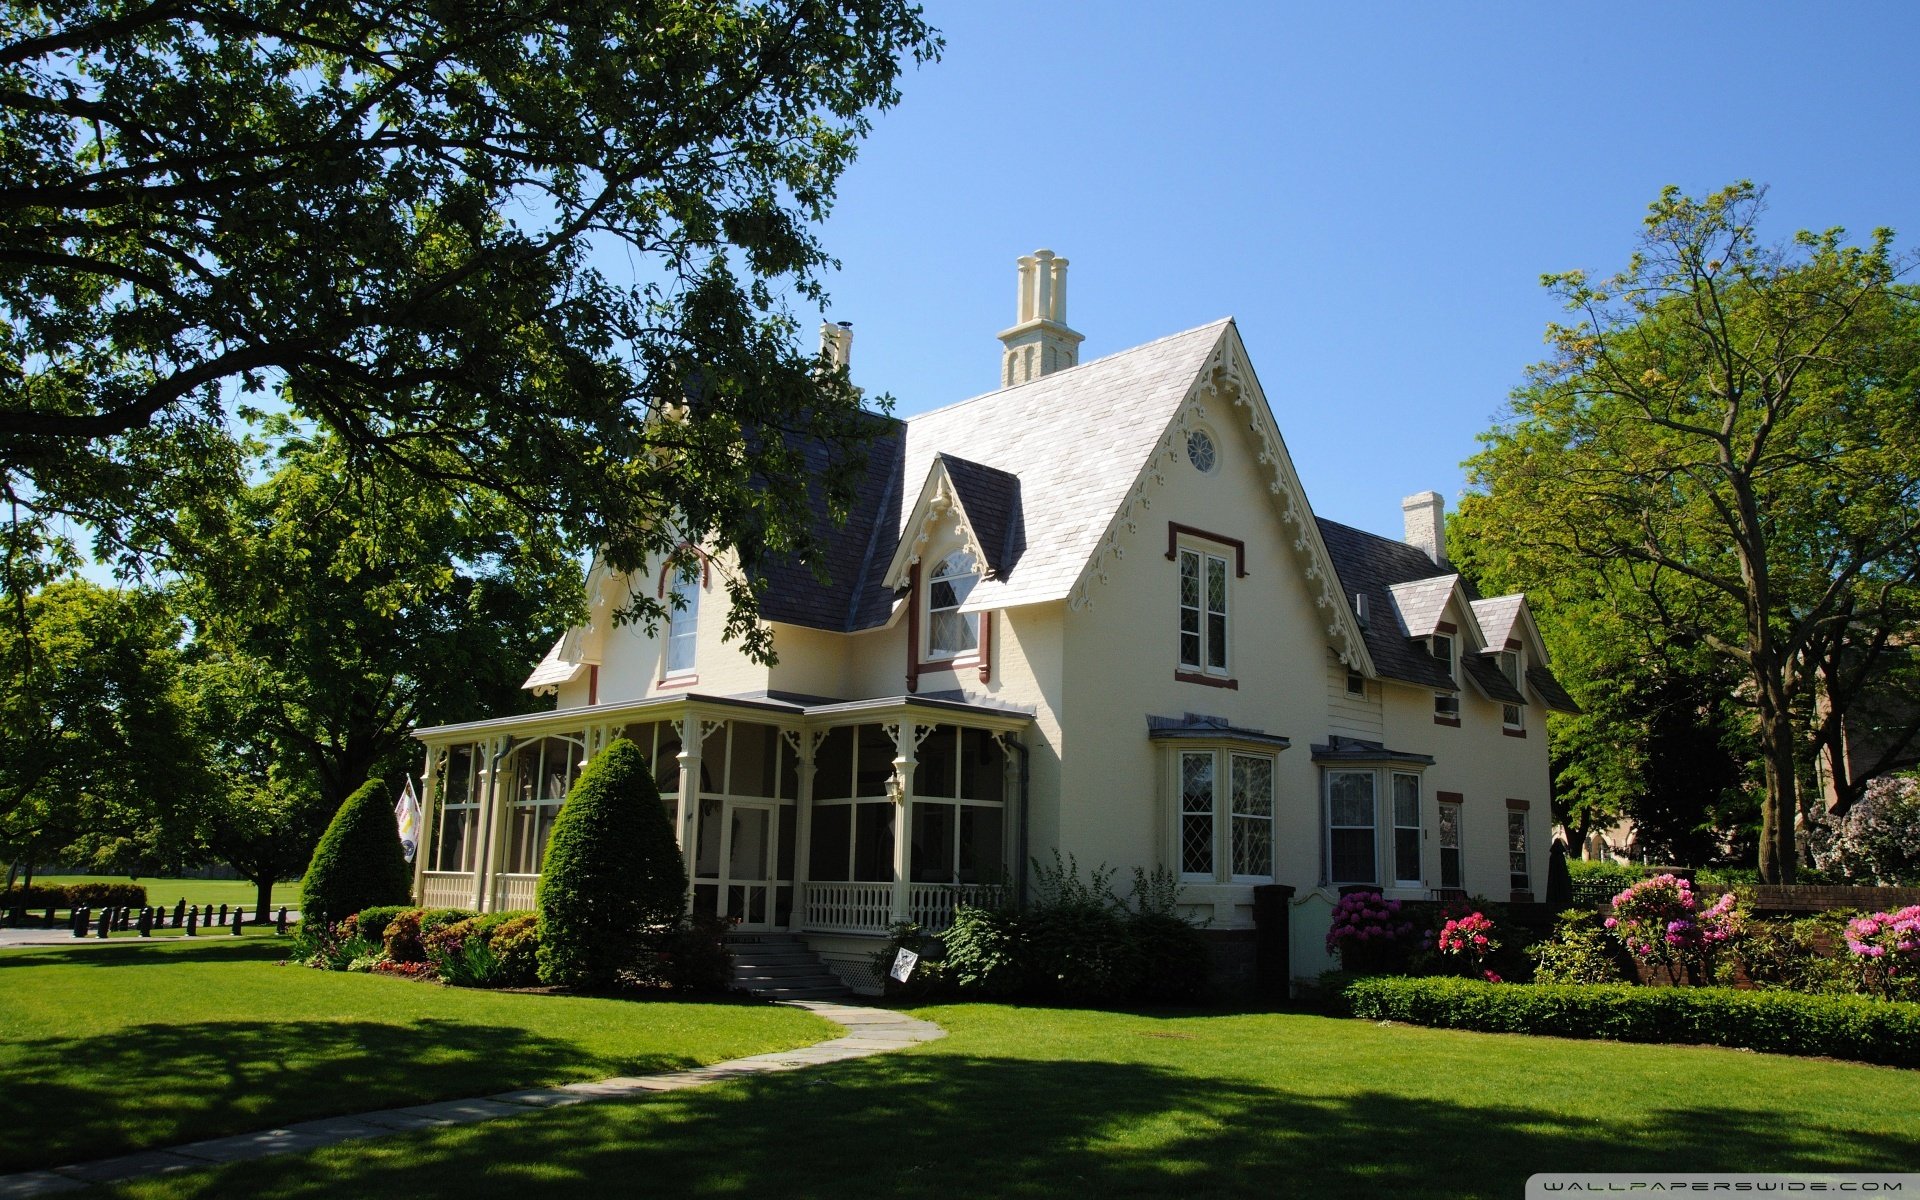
(333,946)
(373,921)
(1801,954)
(612,874)
(1580,951)
(930,976)
(493,950)
(692,956)
(1853,1027)
(1171,959)
(74,895)
(406,931)
(358,863)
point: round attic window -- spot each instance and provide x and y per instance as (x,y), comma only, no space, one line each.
(1200,451)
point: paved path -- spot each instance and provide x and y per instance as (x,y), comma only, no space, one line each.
(869,1031)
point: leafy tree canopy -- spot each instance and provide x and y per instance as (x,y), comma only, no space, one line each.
(391,218)
(1727,439)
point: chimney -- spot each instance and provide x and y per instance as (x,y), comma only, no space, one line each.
(1426,517)
(836,344)
(1039,343)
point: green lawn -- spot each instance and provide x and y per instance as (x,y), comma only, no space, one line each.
(194,891)
(1041,1103)
(107,1049)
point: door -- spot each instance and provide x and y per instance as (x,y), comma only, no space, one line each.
(747,885)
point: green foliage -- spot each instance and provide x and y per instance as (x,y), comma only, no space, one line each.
(1078,942)
(1802,954)
(358,863)
(407,930)
(99,753)
(1720,459)
(1854,1027)
(689,956)
(372,922)
(930,976)
(402,242)
(333,946)
(613,873)
(493,950)
(1878,840)
(74,895)
(1580,951)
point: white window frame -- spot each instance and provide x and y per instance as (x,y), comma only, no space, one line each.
(680,650)
(1356,685)
(934,654)
(1419,833)
(1372,776)
(466,807)
(1514,717)
(1206,564)
(1229,815)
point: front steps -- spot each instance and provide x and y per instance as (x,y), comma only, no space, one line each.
(779,966)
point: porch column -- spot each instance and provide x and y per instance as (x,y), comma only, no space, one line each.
(905,742)
(429,810)
(689,799)
(488,825)
(802,744)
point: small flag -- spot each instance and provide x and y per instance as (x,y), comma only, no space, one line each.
(406,814)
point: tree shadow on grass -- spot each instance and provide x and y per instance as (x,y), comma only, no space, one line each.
(939,1125)
(74,1099)
(155,952)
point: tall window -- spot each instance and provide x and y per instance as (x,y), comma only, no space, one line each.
(950,632)
(1450,846)
(1446,705)
(1351,856)
(1520,878)
(1406,830)
(959,795)
(1510,666)
(1196,814)
(682,624)
(1252,816)
(543,773)
(460,784)
(1203,612)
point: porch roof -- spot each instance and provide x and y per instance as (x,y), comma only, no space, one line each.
(787,704)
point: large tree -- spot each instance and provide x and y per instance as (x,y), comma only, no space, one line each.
(335,612)
(1729,434)
(99,757)
(547,250)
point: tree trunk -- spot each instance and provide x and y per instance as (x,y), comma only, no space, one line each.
(264,897)
(1780,805)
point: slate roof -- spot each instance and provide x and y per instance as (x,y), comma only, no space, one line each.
(1542,681)
(1498,617)
(1488,677)
(1076,439)
(991,499)
(1421,602)
(1370,565)
(855,553)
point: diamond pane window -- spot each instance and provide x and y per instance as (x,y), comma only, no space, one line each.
(950,632)
(1196,814)
(1450,846)
(1252,816)
(1216,613)
(1517,850)
(682,624)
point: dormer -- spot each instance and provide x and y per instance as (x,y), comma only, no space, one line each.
(963,537)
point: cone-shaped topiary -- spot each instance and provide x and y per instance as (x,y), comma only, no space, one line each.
(358,863)
(612,872)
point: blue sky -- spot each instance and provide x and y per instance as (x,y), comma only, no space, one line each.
(1372,190)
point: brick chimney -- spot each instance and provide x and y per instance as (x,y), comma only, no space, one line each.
(1039,343)
(1426,518)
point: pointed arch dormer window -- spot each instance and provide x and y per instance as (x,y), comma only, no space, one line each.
(950,632)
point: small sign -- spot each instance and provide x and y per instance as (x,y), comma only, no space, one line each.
(903,965)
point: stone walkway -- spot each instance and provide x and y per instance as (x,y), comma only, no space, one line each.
(869,1031)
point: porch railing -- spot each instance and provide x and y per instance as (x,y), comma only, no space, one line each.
(931,905)
(513,891)
(849,907)
(447,889)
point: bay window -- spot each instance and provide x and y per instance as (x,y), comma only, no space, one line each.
(1223,821)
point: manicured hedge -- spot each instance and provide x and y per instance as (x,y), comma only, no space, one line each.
(74,895)
(1875,1031)
(358,863)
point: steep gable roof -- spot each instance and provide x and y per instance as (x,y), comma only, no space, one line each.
(990,498)
(1498,617)
(1077,440)
(1421,603)
(854,553)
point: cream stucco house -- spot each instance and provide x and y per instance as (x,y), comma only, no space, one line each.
(1090,611)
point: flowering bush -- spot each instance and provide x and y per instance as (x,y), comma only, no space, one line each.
(1470,938)
(1662,923)
(406,970)
(1874,842)
(1368,932)
(334,946)
(1886,950)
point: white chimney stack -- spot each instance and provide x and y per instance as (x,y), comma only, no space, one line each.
(1426,518)
(1040,342)
(836,344)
